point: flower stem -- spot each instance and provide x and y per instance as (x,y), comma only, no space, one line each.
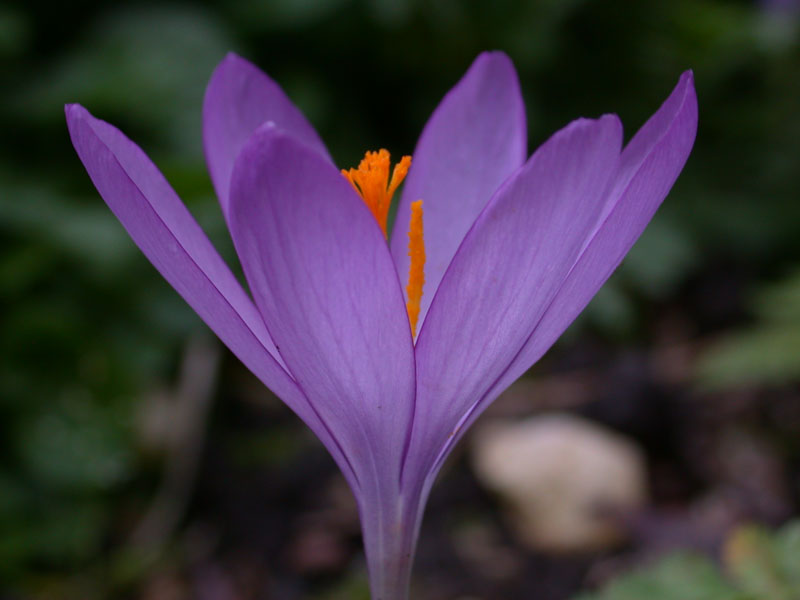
(390,533)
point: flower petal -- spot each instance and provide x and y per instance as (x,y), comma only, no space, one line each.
(505,274)
(474,140)
(156,219)
(238,99)
(323,278)
(649,166)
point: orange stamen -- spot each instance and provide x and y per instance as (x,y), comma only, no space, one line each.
(371,181)
(416,271)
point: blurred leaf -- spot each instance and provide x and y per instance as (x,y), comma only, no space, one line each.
(780,303)
(270,448)
(392,12)
(766,353)
(677,577)
(285,14)
(21,267)
(764,564)
(12,496)
(764,356)
(77,444)
(89,233)
(64,533)
(353,587)
(787,551)
(146,63)
(14,31)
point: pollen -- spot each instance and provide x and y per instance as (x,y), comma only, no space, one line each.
(416,269)
(371,181)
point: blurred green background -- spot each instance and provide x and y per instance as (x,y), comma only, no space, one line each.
(139,460)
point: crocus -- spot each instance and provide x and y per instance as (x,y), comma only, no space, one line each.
(506,251)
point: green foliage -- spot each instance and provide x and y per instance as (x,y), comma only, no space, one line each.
(14,32)
(112,70)
(759,565)
(765,353)
(765,565)
(677,577)
(355,587)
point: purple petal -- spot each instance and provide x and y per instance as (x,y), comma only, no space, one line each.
(159,223)
(323,279)
(649,166)
(474,140)
(238,99)
(505,275)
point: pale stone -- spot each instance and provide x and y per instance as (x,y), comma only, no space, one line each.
(565,481)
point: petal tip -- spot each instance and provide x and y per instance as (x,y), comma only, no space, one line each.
(261,143)
(689,95)
(614,124)
(231,63)
(73,110)
(268,129)
(269,134)
(495,68)
(495,60)
(610,119)
(496,56)
(686,84)
(77,117)
(233,59)
(605,120)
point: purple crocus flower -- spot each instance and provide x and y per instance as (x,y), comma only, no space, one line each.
(516,247)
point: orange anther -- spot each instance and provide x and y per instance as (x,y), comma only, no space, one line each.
(371,181)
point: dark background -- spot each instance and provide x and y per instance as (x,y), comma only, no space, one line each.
(138,459)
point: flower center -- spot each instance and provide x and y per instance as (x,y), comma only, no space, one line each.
(371,181)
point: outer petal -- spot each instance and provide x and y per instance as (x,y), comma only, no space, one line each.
(325,284)
(164,230)
(649,165)
(238,99)
(473,141)
(505,275)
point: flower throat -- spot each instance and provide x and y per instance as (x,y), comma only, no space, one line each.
(371,181)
